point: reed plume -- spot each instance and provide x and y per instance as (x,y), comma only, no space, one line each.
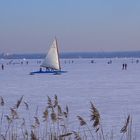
(77,136)
(53,116)
(45,114)
(55,101)
(66,112)
(125,127)
(18,102)
(81,120)
(1,101)
(26,105)
(37,122)
(9,120)
(95,117)
(50,104)
(14,113)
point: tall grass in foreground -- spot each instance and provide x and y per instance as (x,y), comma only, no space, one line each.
(53,124)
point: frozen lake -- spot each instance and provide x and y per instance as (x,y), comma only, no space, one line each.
(115,92)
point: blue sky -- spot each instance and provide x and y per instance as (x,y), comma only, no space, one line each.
(29,26)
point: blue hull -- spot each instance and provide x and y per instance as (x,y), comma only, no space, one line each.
(55,72)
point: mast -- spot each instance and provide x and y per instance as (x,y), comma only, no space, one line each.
(58,53)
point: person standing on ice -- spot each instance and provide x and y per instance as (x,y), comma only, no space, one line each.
(2,67)
(125,66)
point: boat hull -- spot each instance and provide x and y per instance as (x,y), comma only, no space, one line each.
(55,72)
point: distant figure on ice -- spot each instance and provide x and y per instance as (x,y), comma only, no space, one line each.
(92,61)
(125,66)
(137,61)
(2,67)
(109,62)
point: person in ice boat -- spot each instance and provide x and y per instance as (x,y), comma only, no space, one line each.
(40,69)
(48,69)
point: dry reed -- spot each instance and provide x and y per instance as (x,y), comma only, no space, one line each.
(54,124)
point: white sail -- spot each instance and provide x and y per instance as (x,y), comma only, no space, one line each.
(52,58)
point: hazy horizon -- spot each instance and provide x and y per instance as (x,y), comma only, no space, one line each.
(80,26)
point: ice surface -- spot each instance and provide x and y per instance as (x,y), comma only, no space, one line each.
(115,92)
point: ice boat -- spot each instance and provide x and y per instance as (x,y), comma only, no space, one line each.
(51,62)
